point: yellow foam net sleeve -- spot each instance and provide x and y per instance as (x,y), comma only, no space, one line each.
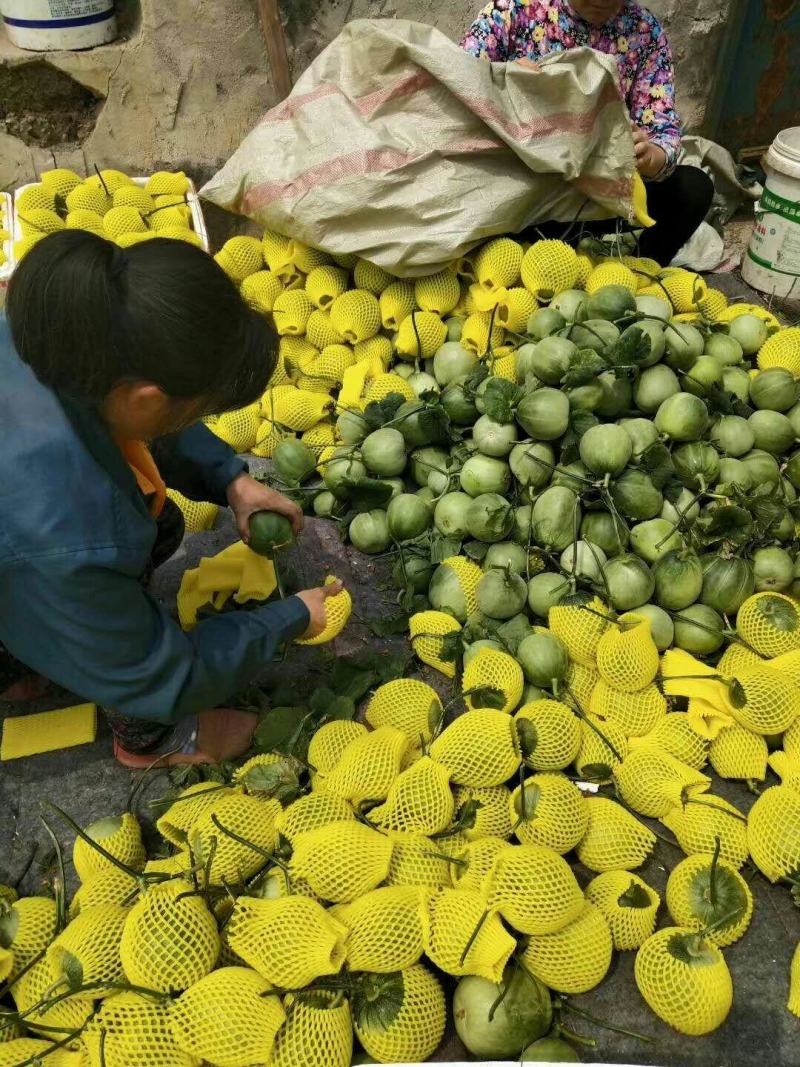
(427,630)
(48,731)
(772,832)
(576,958)
(418,1028)
(290,941)
(88,946)
(439,292)
(603,747)
(368,766)
(614,839)
(693,993)
(652,781)
(192,803)
(21,1049)
(794,984)
(702,819)
(498,263)
(236,572)
(416,860)
(113,886)
(636,714)
(533,888)
(342,861)
(689,897)
(736,752)
(213,838)
(238,428)
(132,1028)
(479,748)
(549,267)
(629,905)
(557,738)
(454,918)
(124,843)
(771,701)
(196,516)
(579,629)
(337,614)
(495,670)
(549,810)
(330,742)
(30,926)
(627,657)
(493,817)
(356,315)
(310,812)
(228,1017)
(685,676)
(314,1032)
(387,928)
(476,861)
(170,939)
(420,799)
(34,987)
(769,623)
(675,734)
(407,704)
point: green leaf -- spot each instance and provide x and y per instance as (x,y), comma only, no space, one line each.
(365,494)
(276,729)
(629,352)
(379,412)
(278,780)
(451,647)
(581,421)
(444,547)
(476,550)
(486,696)
(341,708)
(585,367)
(390,668)
(728,523)
(352,680)
(467,816)
(500,398)
(389,627)
(736,693)
(635,896)
(321,699)
(377,999)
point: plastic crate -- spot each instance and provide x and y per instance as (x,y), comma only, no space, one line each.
(6,223)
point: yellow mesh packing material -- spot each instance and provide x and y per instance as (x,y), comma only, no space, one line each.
(468,575)
(713,304)
(82,196)
(239,428)
(475,861)
(376,350)
(192,803)
(338,609)
(585,267)
(420,800)
(197,516)
(493,817)
(438,293)
(794,984)
(651,781)
(386,928)
(549,810)
(44,221)
(688,898)
(702,819)
(533,888)
(320,438)
(738,753)
(170,939)
(261,290)
(275,249)
(169,219)
(628,904)
(496,670)
(355,380)
(228,1018)
(685,289)
(330,741)
(268,438)
(786,767)
(396,303)
(320,331)
(595,752)
(736,658)
(782,350)
(30,927)
(179,863)
(735,310)
(290,941)
(497,264)
(614,839)
(549,267)
(305,257)
(420,336)
(162,182)
(133,1029)
(636,714)
(134,196)
(674,734)
(125,844)
(627,657)
(418,861)
(356,315)
(35,986)
(60,180)
(788,664)
(770,623)
(417,1030)
(332,363)
(341,860)
(408,705)
(240,257)
(40,197)
(112,886)
(324,284)
(772,701)
(516,308)
(692,992)
(121,220)
(791,740)
(576,958)
(297,353)
(87,949)
(454,917)
(579,629)
(426,629)
(611,273)
(226,859)
(371,277)
(85,220)
(772,833)
(478,334)
(296,409)
(291,312)
(368,766)
(22,1049)
(310,813)
(685,676)
(479,748)
(558,734)
(314,1033)
(383,385)
(480,299)
(505,367)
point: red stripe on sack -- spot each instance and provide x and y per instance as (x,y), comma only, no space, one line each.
(289,108)
(407,86)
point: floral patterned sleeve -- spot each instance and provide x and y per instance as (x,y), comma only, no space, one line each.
(652,102)
(490,35)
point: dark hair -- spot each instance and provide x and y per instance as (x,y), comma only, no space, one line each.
(87,315)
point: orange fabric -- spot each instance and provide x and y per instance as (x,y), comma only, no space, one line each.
(148,478)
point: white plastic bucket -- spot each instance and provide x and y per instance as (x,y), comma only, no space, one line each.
(49,25)
(772,262)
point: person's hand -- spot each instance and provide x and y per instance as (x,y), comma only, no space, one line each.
(314,600)
(650,159)
(246,496)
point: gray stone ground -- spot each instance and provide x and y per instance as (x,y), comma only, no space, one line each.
(87,783)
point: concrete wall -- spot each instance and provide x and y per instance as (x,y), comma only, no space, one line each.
(188,78)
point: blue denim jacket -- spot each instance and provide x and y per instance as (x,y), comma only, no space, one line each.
(75,539)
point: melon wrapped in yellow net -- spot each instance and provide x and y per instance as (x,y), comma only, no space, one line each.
(702,820)
(794,984)
(497,264)
(493,817)
(408,705)
(418,1028)
(771,701)
(23,1049)
(770,623)
(549,810)
(627,657)
(468,575)
(386,928)
(419,800)
(179,863)
(338,609)
(772,833)
(29,925)
(576,958)
(289,941)
(382,385)
(187,808)
(674,734)
(368,766)
(454,917)
(684,979)
(275,249)
(614,839)
(320,331)
(516,307)
(396,303)
(356,315)
(239,257)
(549,267)
(739,753)
(230,1018)
(475,862)
(120,836)
(318,1029)
(371,277)
(786,767)
(724,912)
(480,335)
(261,290)
(239,428)
(611,273)
(494,670)
(534,889)
(418,861)
(603,747)
(781,350)
(330,742)
(427,630)
(88,948)
(652,781)
(556,740)
(420,336)
(579,628)
(36,986)
(479,748)
(170,938)
(685,289)
(342,860)
(295,409)
(310,812)
(629,906)
(113,886)
(304,257)
(222,856)
(132,1028)
(324,284)
(636,714)
(737,658)
(791,740)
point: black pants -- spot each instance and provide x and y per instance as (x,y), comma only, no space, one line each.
(678,204)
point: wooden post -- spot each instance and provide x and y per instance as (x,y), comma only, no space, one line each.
(276,46)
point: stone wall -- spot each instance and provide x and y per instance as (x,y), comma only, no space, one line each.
(188,79)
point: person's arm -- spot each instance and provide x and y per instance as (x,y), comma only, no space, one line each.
(491,34)
(652,107)
(197,463)
(97,633)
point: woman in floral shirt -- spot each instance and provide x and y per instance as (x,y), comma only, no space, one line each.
(678,197)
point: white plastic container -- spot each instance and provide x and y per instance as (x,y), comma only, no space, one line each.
(772,262)
(50,25)
(6,224)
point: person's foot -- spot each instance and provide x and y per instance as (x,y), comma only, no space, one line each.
(31,687)
(223,734)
